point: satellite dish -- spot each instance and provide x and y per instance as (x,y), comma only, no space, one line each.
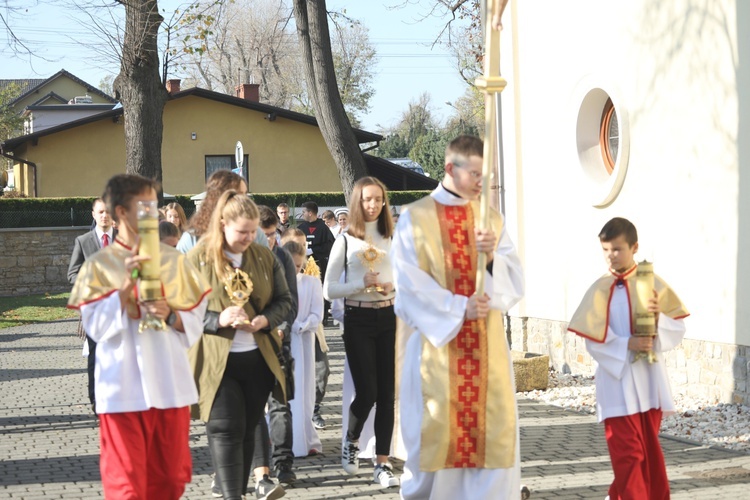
(239,155)
(4,179)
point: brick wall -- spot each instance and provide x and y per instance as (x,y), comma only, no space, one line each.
(712,371)
(35,261)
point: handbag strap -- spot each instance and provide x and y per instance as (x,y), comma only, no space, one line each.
(346,255)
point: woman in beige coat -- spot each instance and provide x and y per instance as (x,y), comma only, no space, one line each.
(236,364)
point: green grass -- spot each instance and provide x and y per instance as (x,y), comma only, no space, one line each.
(15,311)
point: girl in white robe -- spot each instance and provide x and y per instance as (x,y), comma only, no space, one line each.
(309,316)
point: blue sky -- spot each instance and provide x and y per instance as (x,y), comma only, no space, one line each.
(407,65)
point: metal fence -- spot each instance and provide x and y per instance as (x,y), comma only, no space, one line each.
(29,218)
(14,219)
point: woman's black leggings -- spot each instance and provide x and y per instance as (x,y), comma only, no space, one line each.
(370,343)
(237,407)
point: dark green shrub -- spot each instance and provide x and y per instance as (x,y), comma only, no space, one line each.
(62,212)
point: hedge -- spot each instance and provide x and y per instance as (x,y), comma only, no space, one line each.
(330,199)
(65,212)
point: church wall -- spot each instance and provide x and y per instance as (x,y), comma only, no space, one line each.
(670,69)
(709,371)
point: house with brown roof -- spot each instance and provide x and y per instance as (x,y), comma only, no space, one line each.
(61,98)
(57,89)
(284,151)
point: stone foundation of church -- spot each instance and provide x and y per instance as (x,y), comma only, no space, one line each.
(712,371)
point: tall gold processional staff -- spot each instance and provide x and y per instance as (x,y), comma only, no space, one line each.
(459,426)
(491,83)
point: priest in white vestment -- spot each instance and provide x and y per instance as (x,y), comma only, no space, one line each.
(457,410)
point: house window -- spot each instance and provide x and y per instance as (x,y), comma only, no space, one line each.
(609,136)
(225,162)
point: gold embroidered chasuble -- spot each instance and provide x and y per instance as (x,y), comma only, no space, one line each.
(104,273)
(591,319)
(469,418)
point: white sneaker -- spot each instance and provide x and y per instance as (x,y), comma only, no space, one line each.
(383,475)
(350,458)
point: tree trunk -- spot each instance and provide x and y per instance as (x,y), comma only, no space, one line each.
(140,89)
(315,41)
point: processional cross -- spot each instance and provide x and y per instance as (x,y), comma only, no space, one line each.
(491,83)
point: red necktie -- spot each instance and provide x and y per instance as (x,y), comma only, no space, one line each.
(105,240)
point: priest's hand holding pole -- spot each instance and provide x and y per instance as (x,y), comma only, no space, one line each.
(478,306)
(486,242)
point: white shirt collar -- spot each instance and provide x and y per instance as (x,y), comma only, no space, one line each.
(445,197)
(99,234)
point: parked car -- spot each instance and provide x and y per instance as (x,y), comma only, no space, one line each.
(410,164)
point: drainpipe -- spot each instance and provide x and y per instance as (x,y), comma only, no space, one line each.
(27,162)
(501,185)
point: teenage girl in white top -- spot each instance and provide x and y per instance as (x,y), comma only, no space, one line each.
(369,320)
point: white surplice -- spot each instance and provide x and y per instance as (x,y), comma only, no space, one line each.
(309,316)
(437,314)
(137,371)
(626,388)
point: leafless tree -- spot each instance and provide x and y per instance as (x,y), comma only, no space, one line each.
(315,41)
(249,43)
(139,87)
(11,9)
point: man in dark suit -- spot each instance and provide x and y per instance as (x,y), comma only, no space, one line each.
(102,235)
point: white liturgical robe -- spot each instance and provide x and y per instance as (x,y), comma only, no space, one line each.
(437,315)
(625,388)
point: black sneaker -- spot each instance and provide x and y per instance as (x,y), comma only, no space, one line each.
(318,421)
(526,492)
(216,489)
(350,457)
(285,474)
(268,490)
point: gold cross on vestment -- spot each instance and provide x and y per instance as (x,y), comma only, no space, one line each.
(463,288)
(468,393)
(462,262)
(459,238)
(469,341)
(467,445)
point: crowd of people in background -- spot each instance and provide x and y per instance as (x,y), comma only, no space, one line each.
(241,372)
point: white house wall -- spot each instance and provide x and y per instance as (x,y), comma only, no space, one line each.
(43,119)
(672,70)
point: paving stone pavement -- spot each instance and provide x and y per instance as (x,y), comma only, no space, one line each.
(49,439)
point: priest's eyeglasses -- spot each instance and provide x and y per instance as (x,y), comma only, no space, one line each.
(472,173)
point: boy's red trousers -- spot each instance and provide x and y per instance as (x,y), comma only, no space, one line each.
(637,459)
(145,454)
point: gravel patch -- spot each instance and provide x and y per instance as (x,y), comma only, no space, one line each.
(723,425)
